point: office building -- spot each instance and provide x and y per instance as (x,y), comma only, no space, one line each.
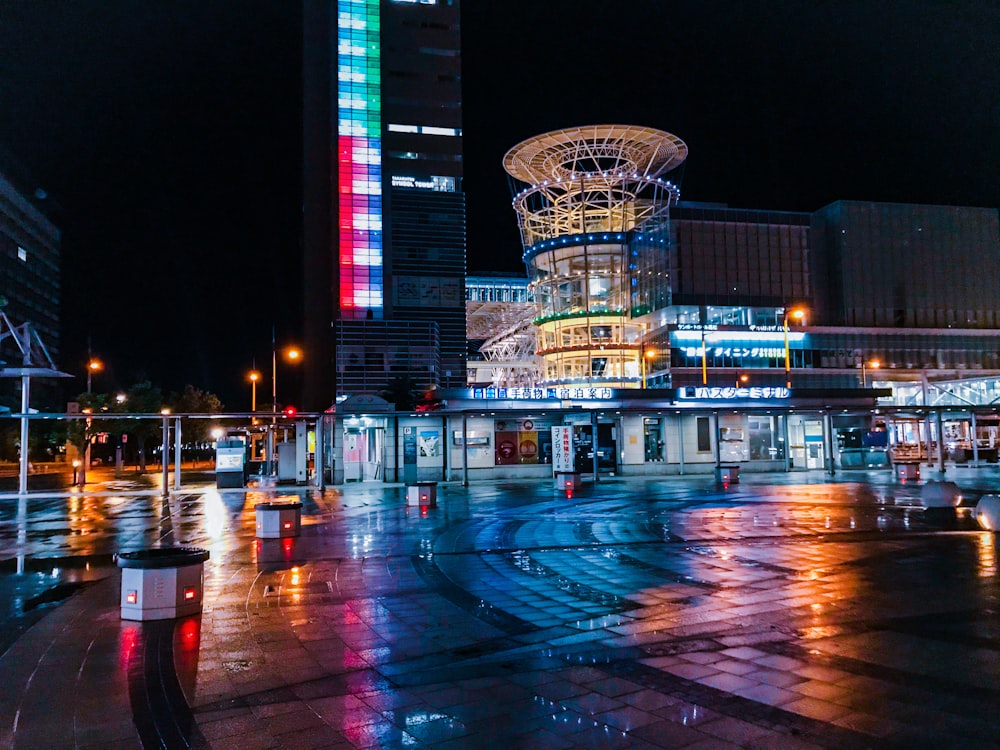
(29,265)
(383,208)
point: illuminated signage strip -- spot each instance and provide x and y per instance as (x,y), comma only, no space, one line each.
(733,337)
(359,157)
(765,352)
(544,394)
(712,393)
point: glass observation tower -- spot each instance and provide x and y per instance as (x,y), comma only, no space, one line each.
(594,219)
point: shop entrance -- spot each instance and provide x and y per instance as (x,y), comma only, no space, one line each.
(364,446)
(607,448)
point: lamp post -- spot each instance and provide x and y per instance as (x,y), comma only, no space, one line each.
(292,354)
(798,314)
(93,365)
(742,380)
(874,364)
(254,376)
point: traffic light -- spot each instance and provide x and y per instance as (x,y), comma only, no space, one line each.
(291,411)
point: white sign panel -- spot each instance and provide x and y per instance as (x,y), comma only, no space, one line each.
(229,459)
(562,449)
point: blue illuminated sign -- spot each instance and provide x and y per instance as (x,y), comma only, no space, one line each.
(714,393)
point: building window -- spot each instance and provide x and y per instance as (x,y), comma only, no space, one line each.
(22,254)
(704,435)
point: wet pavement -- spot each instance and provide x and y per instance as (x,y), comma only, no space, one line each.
(788,611)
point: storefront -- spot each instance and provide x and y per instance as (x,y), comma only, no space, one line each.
(497,434)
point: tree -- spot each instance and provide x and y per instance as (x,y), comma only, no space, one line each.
(195,401)
(403,391)
(143,398)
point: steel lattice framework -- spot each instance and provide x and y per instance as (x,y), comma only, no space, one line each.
(509,341)
(598,178)
(593,216)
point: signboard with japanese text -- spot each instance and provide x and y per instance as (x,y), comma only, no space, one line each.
(562,448)
(714,393)
(563,393)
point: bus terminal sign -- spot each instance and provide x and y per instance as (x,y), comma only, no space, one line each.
(713,393)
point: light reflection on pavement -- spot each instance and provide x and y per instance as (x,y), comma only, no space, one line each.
(648,611)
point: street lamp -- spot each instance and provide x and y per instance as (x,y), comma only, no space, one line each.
(253,376)
(742,380)
(292,354)
(874,364)
(94,365)
(798,314)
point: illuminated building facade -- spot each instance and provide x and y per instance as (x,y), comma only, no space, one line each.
(594,220)
(383,208)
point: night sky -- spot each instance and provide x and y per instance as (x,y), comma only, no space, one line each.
(167,137)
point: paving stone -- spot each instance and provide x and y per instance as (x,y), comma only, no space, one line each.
(797,613)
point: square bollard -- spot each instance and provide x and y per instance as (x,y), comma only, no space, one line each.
(161,584)
(567,480)
(277,520)
(422,493)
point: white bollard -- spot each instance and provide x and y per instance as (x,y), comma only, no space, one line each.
(936,494)
(987,512)
(161,583)
(278,519)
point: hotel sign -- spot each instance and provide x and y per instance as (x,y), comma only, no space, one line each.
(713,393)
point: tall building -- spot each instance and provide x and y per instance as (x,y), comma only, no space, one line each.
(29,265)
(383,207)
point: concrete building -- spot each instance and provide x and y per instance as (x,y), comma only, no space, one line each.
(383,209)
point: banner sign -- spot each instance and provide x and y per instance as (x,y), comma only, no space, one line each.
(562,448)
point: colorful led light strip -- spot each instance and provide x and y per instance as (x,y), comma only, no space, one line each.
(359,157)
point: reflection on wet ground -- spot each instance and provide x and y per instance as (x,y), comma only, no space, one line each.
(786,611)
